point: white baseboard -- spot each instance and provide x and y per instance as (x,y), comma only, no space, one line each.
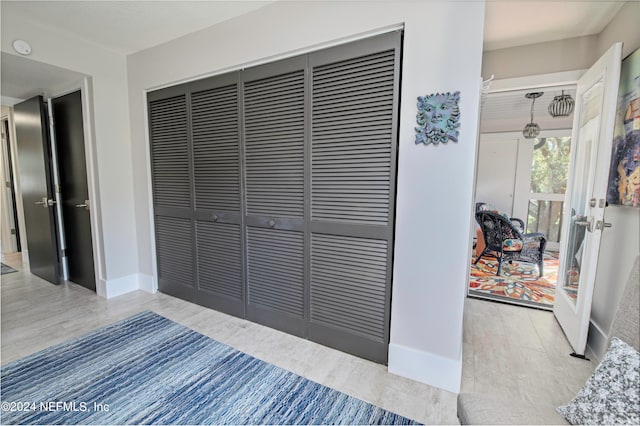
(101,288)
(119,286)
(425,367)
(146,283)
(122,285)
(596,340)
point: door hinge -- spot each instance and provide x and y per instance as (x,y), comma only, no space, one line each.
(13,232)
(7,184)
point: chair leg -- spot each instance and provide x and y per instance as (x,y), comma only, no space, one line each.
(499,266)
(479,257)
(541,268)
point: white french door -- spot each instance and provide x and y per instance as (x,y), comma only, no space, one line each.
(585,200)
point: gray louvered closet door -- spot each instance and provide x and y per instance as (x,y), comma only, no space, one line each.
(274,152)
(354,95)
(274,192)
(171,171)
(215,133)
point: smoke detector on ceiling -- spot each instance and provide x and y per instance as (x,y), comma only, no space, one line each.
(22,47)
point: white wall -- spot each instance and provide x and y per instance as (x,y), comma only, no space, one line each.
(110,120)
(540,58)
(623,27)
(619,247)
(620,244)
(568,54)
(497,161)
(442,52)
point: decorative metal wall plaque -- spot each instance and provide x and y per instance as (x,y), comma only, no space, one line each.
(438,118)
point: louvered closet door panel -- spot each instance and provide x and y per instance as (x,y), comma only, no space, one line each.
(352,139)
(274,152)
(354,91)
(274,145)
(349,283)
(175,257)
(219,247)
(215,127)
(275,270)
(214,115)
(168,135)
(171,188)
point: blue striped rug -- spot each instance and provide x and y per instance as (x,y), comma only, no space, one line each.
(6,269)
(149,370)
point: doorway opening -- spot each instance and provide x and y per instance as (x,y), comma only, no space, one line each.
(525,180)
(64,196)
(50,158)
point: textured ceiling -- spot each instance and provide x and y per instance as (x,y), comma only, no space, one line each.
(511,23)
(510,111)
(129,26)
(23,78)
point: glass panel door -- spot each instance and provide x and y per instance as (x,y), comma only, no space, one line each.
(586,193)
(582,177)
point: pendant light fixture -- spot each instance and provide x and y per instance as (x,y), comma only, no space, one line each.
(531,130)
(561,105)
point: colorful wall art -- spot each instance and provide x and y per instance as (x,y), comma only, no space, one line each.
(624,174)
(438,118)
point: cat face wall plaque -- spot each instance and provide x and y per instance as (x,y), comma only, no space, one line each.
(438,118)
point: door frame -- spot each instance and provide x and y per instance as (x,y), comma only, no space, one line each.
(8,115)
(529,82)
(9,200)
(86,91)
(90,149)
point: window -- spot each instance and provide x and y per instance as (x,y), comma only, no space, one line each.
(549,172)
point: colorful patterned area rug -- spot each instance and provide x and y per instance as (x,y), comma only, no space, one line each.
(149,370)
(518,282)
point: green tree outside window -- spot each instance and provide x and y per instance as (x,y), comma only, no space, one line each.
(550,165)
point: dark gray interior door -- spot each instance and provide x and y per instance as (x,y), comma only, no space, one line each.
(34,168)
(74,192)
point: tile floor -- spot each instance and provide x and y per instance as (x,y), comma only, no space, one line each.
(510,351)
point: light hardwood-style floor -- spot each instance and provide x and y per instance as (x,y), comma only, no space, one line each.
(508,351)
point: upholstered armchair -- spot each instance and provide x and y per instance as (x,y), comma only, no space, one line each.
(505,240)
